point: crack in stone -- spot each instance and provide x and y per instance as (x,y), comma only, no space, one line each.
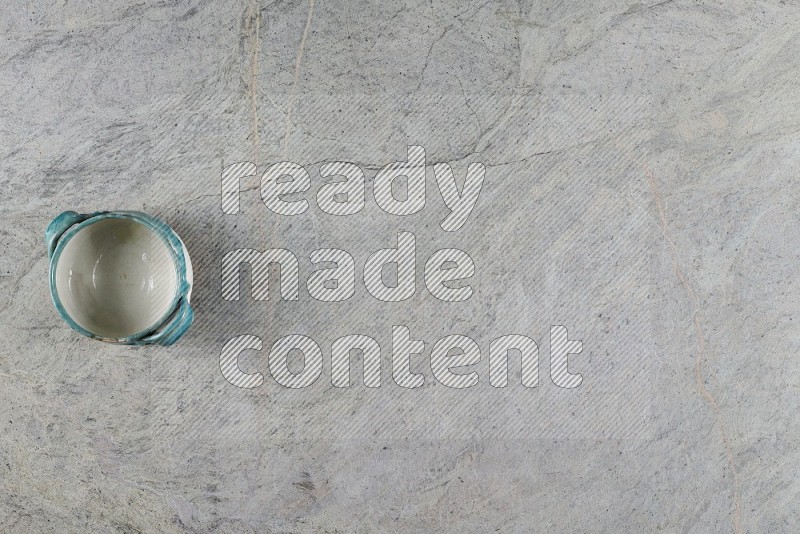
(701,353)
(296,82)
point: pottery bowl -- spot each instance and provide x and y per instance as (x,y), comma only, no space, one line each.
(121,277)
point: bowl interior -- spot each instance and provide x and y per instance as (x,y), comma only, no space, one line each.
(116,278)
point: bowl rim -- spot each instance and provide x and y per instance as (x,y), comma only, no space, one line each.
(160,229)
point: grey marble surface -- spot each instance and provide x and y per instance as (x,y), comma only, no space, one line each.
(641,189)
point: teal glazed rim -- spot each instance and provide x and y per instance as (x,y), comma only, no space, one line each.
(174,323)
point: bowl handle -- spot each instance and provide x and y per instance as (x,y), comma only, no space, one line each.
(58,226)
(174,328)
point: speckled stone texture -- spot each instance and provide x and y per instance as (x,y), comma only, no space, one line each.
(641,190)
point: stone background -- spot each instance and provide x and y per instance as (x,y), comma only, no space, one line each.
(639,190)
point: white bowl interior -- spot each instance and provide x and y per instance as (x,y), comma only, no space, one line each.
(116,278)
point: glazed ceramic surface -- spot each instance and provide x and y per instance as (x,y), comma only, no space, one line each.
(123,277)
